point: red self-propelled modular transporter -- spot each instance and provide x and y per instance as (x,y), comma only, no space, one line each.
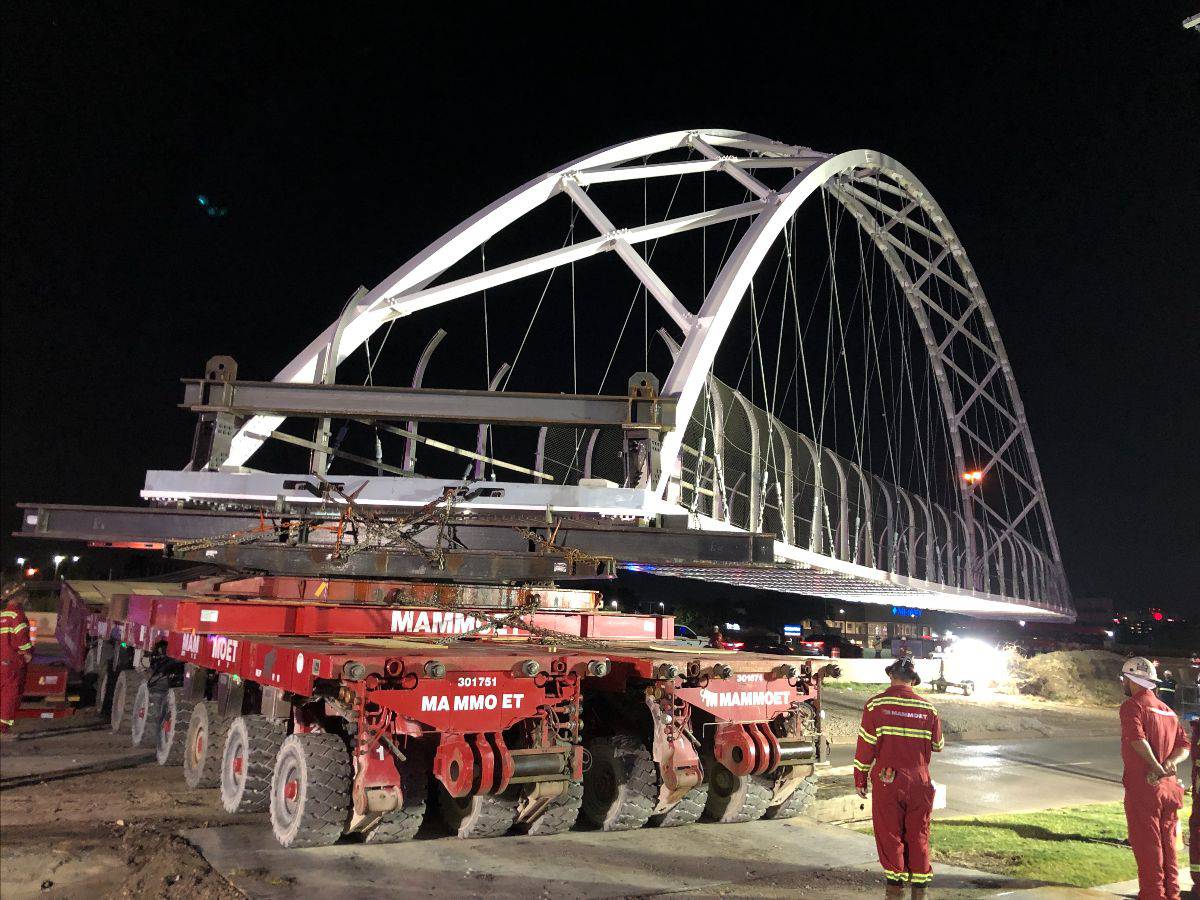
(345,707)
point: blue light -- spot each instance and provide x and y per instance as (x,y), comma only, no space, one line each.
(202,199)
(793,631)
(638,567)
(906,612)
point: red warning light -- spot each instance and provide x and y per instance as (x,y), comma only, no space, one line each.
(1156,616)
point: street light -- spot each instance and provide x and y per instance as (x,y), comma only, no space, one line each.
(58,561)
(20,561)
(74,559)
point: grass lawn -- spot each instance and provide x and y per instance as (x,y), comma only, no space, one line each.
(857,687)
(1077,845)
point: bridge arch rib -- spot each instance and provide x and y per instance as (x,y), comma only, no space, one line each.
(837,174)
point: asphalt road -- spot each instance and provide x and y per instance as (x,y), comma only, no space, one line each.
(1023,775)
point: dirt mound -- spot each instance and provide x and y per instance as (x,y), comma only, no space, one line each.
(166,866)
(1085,677)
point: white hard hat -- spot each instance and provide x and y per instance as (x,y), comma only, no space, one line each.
(1140,671)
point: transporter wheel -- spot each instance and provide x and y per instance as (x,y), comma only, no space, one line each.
(620,788)
(478,816)
(91,661)
(104,685)
(123,695)
(560,815)
(795,805)
(310,790)
(968,688)
(173,722)
(202,750)
(402,824)
(147,707)
(687,811)
(243,761)
(736,798)
(939,686)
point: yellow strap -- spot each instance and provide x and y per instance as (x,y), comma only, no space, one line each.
(901,701)
(896,731)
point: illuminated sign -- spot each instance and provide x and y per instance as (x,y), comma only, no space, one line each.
(906,612)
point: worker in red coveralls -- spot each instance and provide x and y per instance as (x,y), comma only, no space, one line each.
(1152,747)
(1194,819)
(899,732)
(16,650)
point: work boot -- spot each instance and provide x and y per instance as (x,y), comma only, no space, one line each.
(919,892)
(894,891)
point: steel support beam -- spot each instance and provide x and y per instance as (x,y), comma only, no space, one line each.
(247,398)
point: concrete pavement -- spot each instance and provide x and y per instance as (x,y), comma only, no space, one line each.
(759,859)
(1022,775)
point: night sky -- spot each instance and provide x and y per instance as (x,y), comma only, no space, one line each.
(1063,142)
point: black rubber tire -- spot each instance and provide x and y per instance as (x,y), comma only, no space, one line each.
(559,817)
(318,767)
(481,816)
(91,661)
(245,762)
(687,811)
(203,746)
(123,694)
(105,680)
(620,787)
(402,824)
(147,707)
(797,804)
(173,722)
(736,798)
(968,688)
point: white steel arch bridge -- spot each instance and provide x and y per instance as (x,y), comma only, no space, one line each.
(932,496)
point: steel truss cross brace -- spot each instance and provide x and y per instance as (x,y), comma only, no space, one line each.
(655,285)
